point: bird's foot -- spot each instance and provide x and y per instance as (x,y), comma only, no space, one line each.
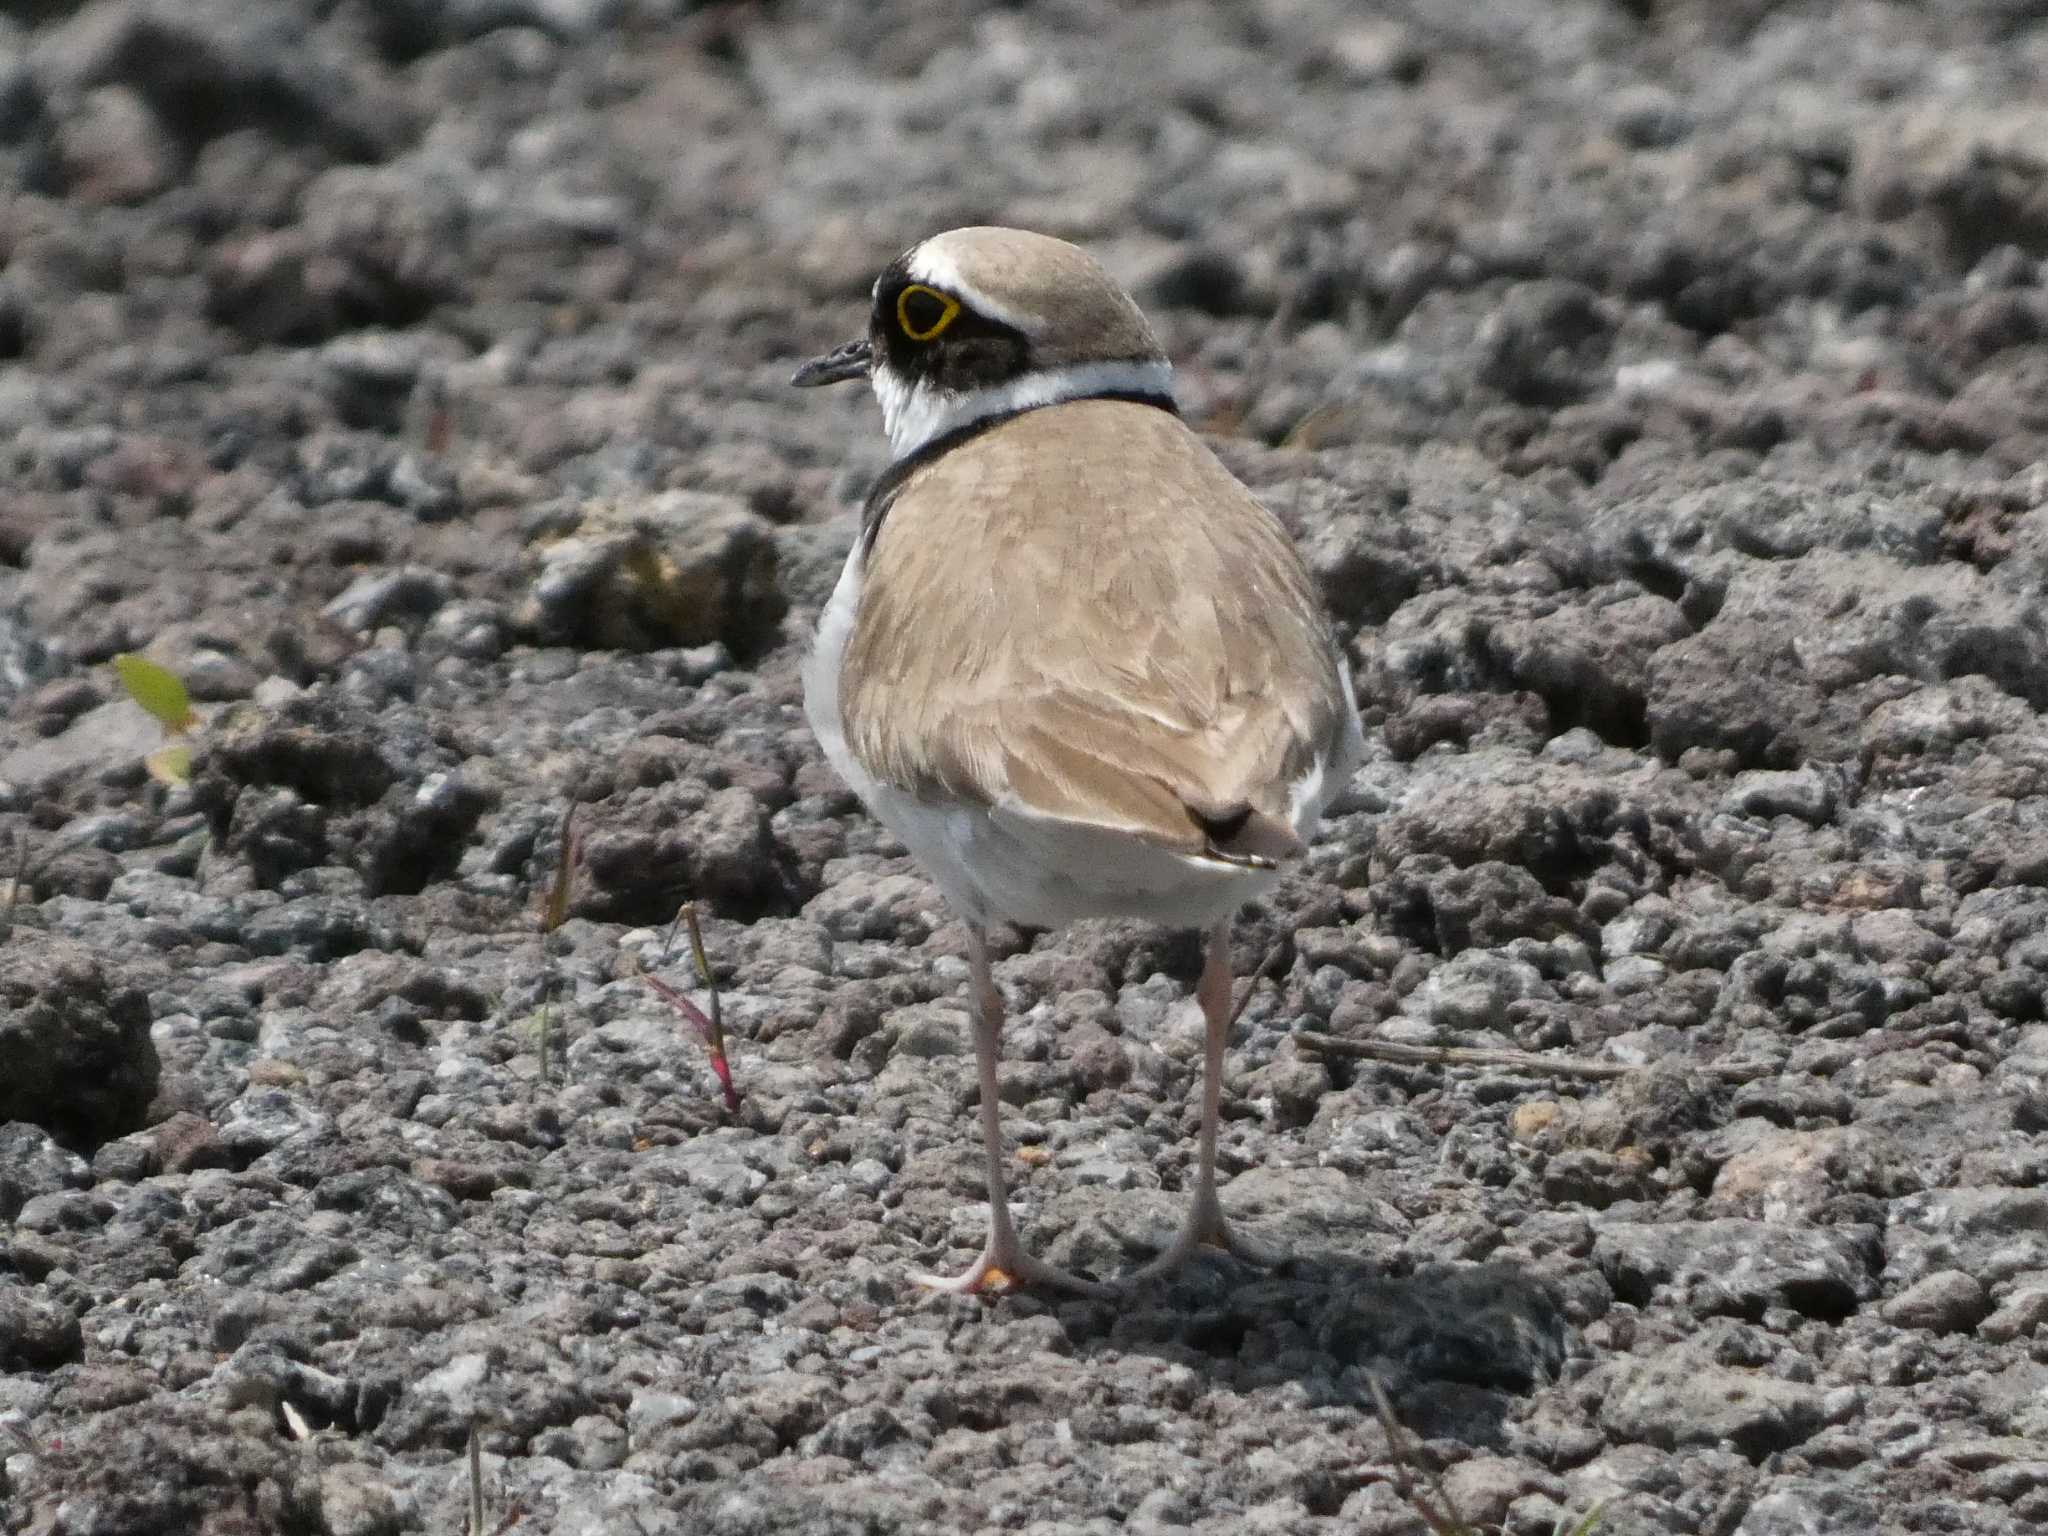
(1204,1228)
(1004,1267)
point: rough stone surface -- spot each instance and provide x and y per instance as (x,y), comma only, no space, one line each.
(1660,395)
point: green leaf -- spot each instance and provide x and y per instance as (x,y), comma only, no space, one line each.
(157,689)
(170,763)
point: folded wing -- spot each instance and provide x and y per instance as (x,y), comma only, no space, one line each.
(1082,616)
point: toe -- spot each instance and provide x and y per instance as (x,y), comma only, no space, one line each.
(996,1274)
(1202,1231)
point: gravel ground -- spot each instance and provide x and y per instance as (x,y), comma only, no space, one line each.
(1660,390)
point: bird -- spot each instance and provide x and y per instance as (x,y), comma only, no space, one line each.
(1073,664)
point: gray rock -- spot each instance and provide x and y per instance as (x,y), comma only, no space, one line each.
(470,629)
(95,1466)
(1482,1488)
(864,906)
(1473,991)
(1806,793)
(1735,1266)
(597,1506)
(113,735)
(113,147)
(2018,1316)
(732,861)
(652,1410)
(1783,1174)
(414,593)
(1947,1301)
(1809,1504)
(1993,1234)
(1677,1400)
(32,1165)
(66,1210)
(260,1121)
(355,1501)
(932,1031)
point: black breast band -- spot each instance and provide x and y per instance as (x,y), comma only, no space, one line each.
(882,495)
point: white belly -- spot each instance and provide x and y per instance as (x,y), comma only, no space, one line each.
(1002,863)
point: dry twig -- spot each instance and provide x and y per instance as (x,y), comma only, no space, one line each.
(1436,1509)
(1268,967)
(1535,1062)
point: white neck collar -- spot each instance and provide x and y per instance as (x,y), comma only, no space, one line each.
(916,414)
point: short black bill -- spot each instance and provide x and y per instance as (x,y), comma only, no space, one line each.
(835,367)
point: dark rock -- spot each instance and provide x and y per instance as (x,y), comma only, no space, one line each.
(36,1334)
(1367,558)
(183,56)
(276,832)
(183,1143)
(1546,344)
(1211,281)
(372,249)
(290,788)
(1590,664)
(196,1452)
(75,871)
(1558,824)
(1490,903)
(683,569)
(1725,690)
(1584,1176)
(80,1060)
(311,746)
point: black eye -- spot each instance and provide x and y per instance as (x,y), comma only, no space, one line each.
(924,312)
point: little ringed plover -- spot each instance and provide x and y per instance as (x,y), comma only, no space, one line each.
(1071,662)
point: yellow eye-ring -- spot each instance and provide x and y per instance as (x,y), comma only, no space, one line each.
(924,312)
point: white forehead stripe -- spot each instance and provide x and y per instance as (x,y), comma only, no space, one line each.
(930,263)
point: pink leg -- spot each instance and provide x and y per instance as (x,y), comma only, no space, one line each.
(1003,1265)
(1205,1224)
